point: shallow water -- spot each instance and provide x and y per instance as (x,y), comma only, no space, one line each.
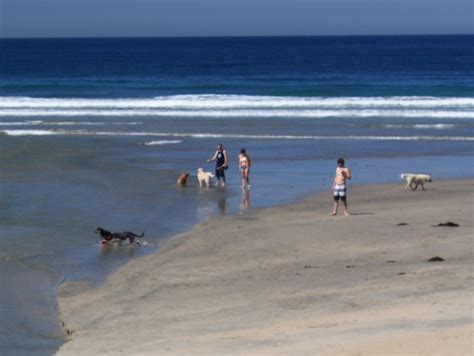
(50,213)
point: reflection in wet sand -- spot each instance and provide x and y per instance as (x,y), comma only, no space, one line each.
(208,199)
(245,199)
(222,204)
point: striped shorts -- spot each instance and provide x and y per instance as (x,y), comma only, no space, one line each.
(340,192)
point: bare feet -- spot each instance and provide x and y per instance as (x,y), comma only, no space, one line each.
(333,213)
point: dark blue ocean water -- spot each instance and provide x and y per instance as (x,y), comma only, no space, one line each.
(282,66)
(94,132)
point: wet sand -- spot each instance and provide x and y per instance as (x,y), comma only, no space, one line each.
(294,280)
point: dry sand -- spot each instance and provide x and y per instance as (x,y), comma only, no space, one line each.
(293,280)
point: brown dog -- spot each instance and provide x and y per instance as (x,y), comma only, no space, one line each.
(182,179)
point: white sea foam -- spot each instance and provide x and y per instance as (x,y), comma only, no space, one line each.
(21,123)
(65,123)
(423,126)
(31,132)
(435,126)
(242,106)
(235,136)
(366,113)
(214,101)
(162,142)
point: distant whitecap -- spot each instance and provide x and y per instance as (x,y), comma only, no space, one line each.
(162,142)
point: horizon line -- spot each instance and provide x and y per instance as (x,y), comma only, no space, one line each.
(235,36)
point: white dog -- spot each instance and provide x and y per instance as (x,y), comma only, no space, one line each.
(204,178)
(413,180)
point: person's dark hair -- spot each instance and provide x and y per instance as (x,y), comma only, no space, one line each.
(340,161)
(220,146)
(243,151)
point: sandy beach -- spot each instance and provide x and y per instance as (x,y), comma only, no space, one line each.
(294,280)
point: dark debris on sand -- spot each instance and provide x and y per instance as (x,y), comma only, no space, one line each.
(436,259)
(308,266)
(448,224)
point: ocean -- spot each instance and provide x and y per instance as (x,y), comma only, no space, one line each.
(94,132)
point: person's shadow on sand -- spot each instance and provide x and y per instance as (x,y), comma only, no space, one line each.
(362,213)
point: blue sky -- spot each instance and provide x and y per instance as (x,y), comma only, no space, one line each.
(116,18)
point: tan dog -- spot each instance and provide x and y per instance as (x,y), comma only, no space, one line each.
(413,180)
(204,178)
(182,179)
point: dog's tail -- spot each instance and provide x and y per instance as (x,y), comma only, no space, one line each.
(134,235)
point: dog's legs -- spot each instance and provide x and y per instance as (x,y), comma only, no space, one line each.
(422,186)
(407,186)
(413,185)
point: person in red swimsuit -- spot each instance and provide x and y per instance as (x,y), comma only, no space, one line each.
(244,166)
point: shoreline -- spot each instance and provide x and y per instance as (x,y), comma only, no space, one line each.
(187,263)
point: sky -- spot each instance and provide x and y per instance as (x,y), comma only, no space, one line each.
(170,18)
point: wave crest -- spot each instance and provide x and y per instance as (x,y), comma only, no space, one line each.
(233,136)
(212,105)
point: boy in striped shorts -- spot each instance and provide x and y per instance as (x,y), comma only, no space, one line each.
(339,186)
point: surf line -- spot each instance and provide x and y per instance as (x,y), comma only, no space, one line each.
(231,136)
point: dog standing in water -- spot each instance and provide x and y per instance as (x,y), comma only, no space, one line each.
(182,179)
(204,178)
(108,236)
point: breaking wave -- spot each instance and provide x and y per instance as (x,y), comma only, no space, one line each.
(64,123)
(212,105)
(423,126)
(233,136)
(162,142)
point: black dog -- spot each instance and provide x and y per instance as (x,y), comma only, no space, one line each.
(108,236)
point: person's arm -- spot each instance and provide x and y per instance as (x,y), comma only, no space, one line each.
(213,158)
(248,159)
(225,159)
(347,173)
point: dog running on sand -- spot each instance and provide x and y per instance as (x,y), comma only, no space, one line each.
(413,180)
